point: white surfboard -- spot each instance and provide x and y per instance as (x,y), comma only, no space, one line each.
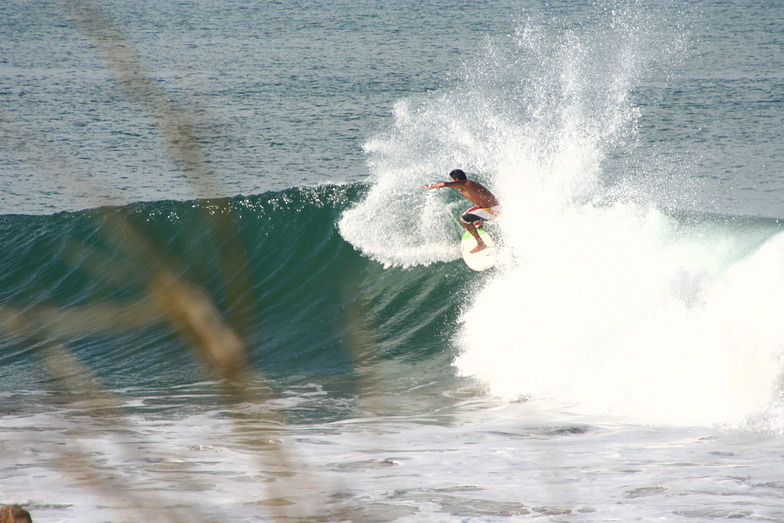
(482,260)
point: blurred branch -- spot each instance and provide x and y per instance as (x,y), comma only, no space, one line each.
(167,296)
(178,133)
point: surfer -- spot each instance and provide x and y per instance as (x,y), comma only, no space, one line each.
(485,203)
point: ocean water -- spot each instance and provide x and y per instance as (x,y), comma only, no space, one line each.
(225,297)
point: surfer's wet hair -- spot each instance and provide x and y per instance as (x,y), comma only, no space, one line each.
(457,174)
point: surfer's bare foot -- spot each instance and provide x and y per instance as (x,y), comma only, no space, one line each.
(478,248)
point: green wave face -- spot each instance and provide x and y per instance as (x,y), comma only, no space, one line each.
(273,266)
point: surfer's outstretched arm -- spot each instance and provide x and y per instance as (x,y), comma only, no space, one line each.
(438,185)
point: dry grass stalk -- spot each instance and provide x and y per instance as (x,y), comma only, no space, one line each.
(183,304)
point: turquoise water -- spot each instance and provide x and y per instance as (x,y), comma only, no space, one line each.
(184,176)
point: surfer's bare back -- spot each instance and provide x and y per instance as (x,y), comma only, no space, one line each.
(485,203)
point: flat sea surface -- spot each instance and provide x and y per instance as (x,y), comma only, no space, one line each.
(224,295)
